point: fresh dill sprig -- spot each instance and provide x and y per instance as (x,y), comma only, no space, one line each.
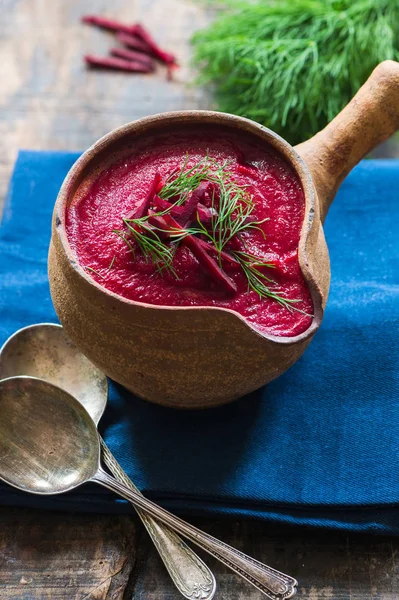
(235,207)
(231,212)
(151,245)
(259,282)
(186,180)
(96,272)
(122,235)
(111,264)
(294,64)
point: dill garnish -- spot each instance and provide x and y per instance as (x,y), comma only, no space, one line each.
(186,180)
(111,264)
(150,243)
(157,235)
(96,272)
(264,286)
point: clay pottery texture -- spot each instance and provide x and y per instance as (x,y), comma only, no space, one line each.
(197,357)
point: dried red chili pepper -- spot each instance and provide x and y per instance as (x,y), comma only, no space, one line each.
(117,64)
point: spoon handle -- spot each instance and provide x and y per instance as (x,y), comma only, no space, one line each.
(273,584)
(189,573)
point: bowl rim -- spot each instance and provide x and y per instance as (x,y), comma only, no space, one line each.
(195,117)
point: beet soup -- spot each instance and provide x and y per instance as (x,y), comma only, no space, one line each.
(197,219)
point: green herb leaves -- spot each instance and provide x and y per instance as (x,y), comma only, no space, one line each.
(181,182)
(293,64)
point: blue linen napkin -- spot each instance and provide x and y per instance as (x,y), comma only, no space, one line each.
(318,446)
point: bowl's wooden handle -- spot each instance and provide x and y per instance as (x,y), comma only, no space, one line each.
(370,118)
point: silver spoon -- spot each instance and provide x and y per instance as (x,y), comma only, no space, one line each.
(49,444)
(44,351)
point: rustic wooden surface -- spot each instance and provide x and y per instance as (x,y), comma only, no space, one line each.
(48,100)
(328,566)
(54,556)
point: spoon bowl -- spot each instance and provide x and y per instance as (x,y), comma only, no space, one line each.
(44,351)
(49,445)
(48,442)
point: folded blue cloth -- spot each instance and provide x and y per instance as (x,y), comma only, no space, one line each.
(318,446)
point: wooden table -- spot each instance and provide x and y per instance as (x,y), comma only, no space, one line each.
(50,101)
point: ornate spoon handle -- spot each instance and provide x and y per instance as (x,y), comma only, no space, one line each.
(190,575)
(272,583)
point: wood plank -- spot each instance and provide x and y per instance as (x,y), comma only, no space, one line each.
(328,566)
(50,100)
(57,556)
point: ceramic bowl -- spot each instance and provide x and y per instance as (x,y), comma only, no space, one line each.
(196,357)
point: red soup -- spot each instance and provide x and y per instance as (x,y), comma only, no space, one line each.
(193,219)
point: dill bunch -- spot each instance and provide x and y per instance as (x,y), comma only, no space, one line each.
(293,65)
